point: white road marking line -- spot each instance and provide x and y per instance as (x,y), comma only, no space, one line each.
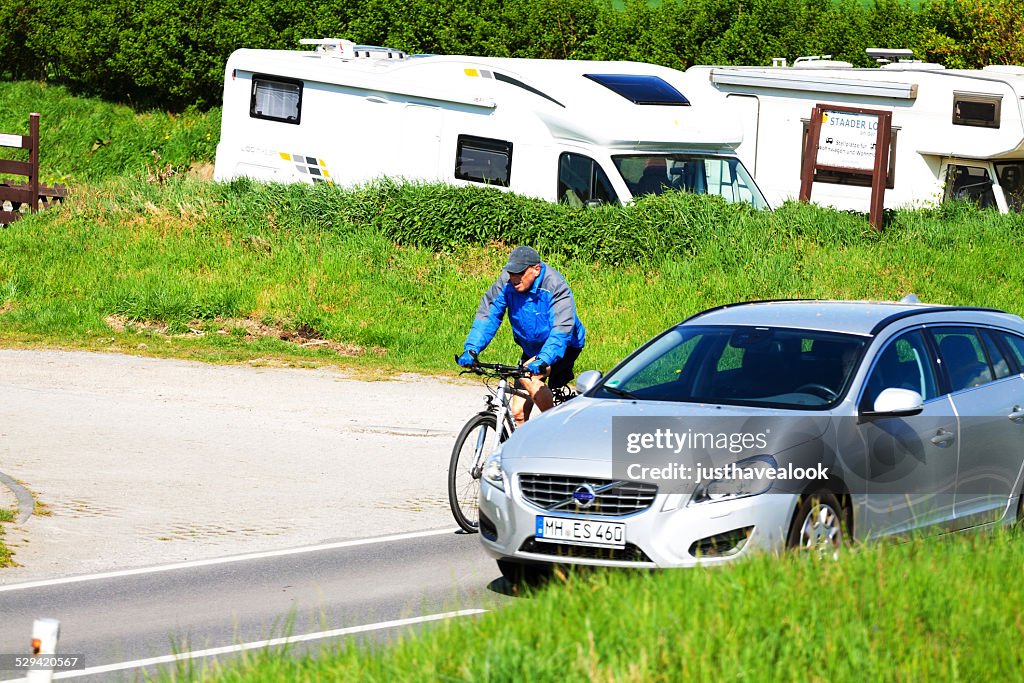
(225,560)
(287,640)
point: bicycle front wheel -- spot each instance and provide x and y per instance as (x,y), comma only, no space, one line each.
(475,442)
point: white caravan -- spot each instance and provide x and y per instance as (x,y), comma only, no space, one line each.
(572,131)
(955,133)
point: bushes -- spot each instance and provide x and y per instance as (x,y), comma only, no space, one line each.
(443,218)
(171,53)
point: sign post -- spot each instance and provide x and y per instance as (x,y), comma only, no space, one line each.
(850,140)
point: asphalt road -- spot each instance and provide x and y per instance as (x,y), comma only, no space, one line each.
(117,622)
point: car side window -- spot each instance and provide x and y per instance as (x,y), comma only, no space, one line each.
(903,364)
(1000,364)
(1016,346)
(963,357)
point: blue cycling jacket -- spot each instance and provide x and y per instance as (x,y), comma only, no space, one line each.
(544,321)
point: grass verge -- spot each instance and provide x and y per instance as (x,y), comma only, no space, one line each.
(940,609)
(6,557)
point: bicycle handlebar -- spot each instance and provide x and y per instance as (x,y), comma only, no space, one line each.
(497,369)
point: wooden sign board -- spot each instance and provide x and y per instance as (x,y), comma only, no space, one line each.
(851,140)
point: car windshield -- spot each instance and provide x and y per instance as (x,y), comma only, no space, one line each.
(755,366)
(699,174)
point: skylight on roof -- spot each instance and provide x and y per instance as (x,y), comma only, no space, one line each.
(640,89)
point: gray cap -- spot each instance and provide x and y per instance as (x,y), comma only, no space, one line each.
(522,258)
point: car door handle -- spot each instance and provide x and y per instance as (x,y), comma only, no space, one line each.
(943,438)
(1017,415)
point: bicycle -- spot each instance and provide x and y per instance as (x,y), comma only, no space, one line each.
(479,434)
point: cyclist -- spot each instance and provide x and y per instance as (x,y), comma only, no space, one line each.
(542,312)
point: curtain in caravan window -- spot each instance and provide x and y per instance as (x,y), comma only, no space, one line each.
(276,100)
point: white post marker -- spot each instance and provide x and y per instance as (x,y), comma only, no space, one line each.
(45,633)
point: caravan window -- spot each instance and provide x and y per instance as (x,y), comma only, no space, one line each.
(581,181)
(976,110)
(276,100)
(483,160)
(971,183)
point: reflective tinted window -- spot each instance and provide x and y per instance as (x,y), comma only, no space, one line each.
(962,357)
(1016,345)
(999,363)
(903,364)
(640,89)
(483,160)
(582,180)
(276,100)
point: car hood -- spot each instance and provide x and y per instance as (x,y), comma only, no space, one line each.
(582,429)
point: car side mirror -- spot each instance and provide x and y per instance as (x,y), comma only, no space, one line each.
(587,381)
(893,402)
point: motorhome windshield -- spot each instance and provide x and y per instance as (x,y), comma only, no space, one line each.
(1011,179)
(698,174)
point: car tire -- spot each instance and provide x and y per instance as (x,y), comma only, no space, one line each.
(519,573)
(819,524)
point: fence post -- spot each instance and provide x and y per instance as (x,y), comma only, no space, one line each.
(33,131)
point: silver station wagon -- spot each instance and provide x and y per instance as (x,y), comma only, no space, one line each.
(765,425)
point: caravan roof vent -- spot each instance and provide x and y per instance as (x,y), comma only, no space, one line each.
(887,55)
(346,49)
(819,62)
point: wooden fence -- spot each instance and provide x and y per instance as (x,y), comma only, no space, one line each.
(31,192)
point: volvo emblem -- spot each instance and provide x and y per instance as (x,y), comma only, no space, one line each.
(584,496)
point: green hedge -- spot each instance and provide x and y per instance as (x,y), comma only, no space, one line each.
(675,225)
(171,53)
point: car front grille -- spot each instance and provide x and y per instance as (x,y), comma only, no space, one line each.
(630,553)
(611,497)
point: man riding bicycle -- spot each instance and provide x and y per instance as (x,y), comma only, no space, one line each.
(542,312)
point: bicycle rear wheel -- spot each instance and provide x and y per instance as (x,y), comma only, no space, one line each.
(475,442)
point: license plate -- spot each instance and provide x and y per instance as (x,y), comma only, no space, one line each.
(581,532)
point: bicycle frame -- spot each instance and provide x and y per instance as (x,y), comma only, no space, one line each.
(499,406)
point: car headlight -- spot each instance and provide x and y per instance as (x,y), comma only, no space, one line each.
(491,472)
(748,477)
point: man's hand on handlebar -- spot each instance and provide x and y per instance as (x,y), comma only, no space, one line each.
(467,359)
(537,367)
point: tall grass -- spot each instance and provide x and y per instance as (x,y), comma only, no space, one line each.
(922,610)
(85,139)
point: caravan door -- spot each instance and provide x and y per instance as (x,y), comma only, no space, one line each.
(419,147)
